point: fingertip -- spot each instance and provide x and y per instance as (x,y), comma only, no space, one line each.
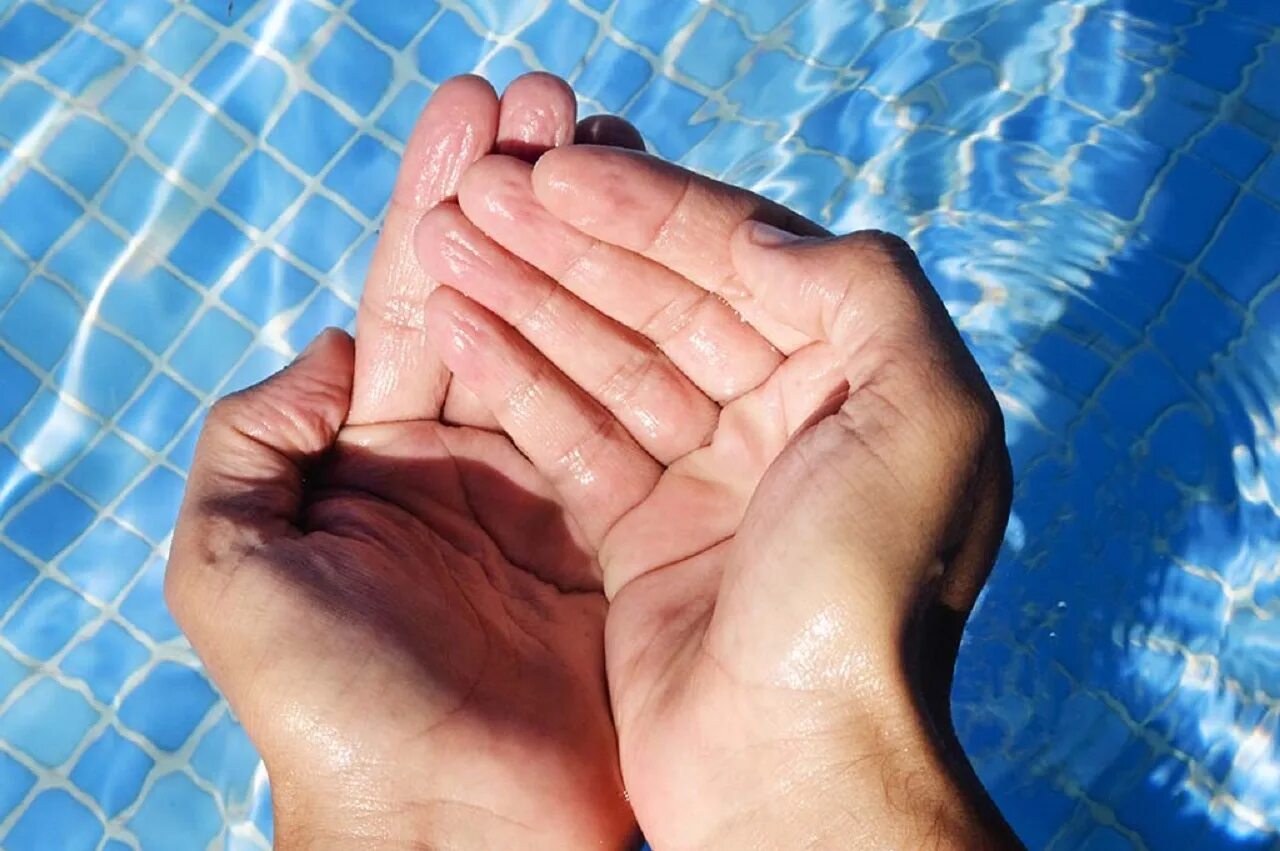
(440,243)
(608,131)
(487,187)
(454,325)
(537,113)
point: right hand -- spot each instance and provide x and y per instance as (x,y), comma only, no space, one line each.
(793,514)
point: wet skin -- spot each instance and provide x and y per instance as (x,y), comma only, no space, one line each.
(647,495)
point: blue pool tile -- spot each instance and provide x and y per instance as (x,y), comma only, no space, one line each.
(260,190)
(106,469)
(352,68)
(638,23)
(1264,85)
(47,619)
(175,806)
(41,322)
(399,116)
(167,705)
(50,522)
(503,67)
(131,21)
(243,86)
(856,124)
(159,413)
(210,349)
(16,781)
(139,197)
(1102,85)
(713,49)
(1234,261)
(665,113)
(320,232)
(34,234)
(111,771)
(365,175)
(145,608)
(14,269)
(1187,207)
(105,660)
(193,142)
(226,758)
(183,453)
(47,722)
(1116,171)
(395,25)
(613,75)
(349,277)
(292,32)
(104,560)
(87,259)
(16,574)
(261,362)
(19,386)
(30,31)
(560,40)
(51,432)
(1216,52)
(449,48)
(152,505)
(105,372)
(324,311)
(182,44)
(23,106)
(208,247)
(77,828)
(152,308)
(226,13)
(12,672)
(135,99)
(1216,324)
(774,85)
(1267,182)
(1232,148)
(764,17)
(310,133)
(65,155)
(268,285)
(79,62)
(837,35)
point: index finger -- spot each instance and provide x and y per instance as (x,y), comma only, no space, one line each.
(659,210)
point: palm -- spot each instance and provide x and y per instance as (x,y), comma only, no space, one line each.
(402,584)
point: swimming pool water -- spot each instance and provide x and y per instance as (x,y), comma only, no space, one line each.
(190,190)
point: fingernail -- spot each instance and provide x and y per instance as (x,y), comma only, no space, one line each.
(768,236)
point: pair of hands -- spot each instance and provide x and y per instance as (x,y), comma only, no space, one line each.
(651,495)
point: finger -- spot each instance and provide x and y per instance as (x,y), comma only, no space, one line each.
(621,370)
(397,376)
(462,408)
(536,115)
(245,485)
(610,131)
(595,466)
(701,334)
(668,214)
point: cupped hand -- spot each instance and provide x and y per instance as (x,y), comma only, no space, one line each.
(393,600)
(786,463)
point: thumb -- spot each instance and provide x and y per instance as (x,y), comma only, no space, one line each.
(245,486)
(837,289)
